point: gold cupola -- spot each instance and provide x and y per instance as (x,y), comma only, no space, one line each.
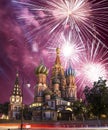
(41,69)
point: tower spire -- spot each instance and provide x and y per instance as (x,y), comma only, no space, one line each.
(17,80)
(57,69)
(57,61)
(17,89)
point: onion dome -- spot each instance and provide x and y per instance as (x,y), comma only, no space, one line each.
(41,69)
(70,71)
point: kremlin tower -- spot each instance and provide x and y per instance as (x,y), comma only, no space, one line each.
(15,100)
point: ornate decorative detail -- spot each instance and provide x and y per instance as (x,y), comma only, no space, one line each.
(41,69)
(17,89)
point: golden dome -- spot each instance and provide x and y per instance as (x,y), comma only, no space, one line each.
(41,69)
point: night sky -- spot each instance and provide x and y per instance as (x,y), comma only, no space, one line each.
(14,54)
(23,51)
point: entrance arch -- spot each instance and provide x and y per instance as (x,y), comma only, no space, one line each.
(65,114)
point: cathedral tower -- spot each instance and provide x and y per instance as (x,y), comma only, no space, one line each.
(71,88)
(56,87)
(41,72)
(40,94)
(58,78)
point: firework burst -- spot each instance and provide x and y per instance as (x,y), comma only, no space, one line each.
(70,47)
(94,64)
(52,17)
(69,25)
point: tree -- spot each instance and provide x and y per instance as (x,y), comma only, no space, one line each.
(97,97)
(79,109)
(4,108)
(1,108)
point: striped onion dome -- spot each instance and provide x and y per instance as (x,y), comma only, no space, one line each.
(41,69)
(70,71)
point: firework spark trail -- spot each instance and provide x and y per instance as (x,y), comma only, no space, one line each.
(71,49)
(93,65)
(79,15)
(46,22)
(73,12)
(100,9)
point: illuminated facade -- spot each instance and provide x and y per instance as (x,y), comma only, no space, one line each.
(52,101)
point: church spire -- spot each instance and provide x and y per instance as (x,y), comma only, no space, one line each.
(57,61)
(58,76)
(17,80)
(57,69)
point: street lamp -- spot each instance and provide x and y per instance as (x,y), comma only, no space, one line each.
(28,85)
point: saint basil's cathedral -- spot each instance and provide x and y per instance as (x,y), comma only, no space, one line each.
(52,101)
